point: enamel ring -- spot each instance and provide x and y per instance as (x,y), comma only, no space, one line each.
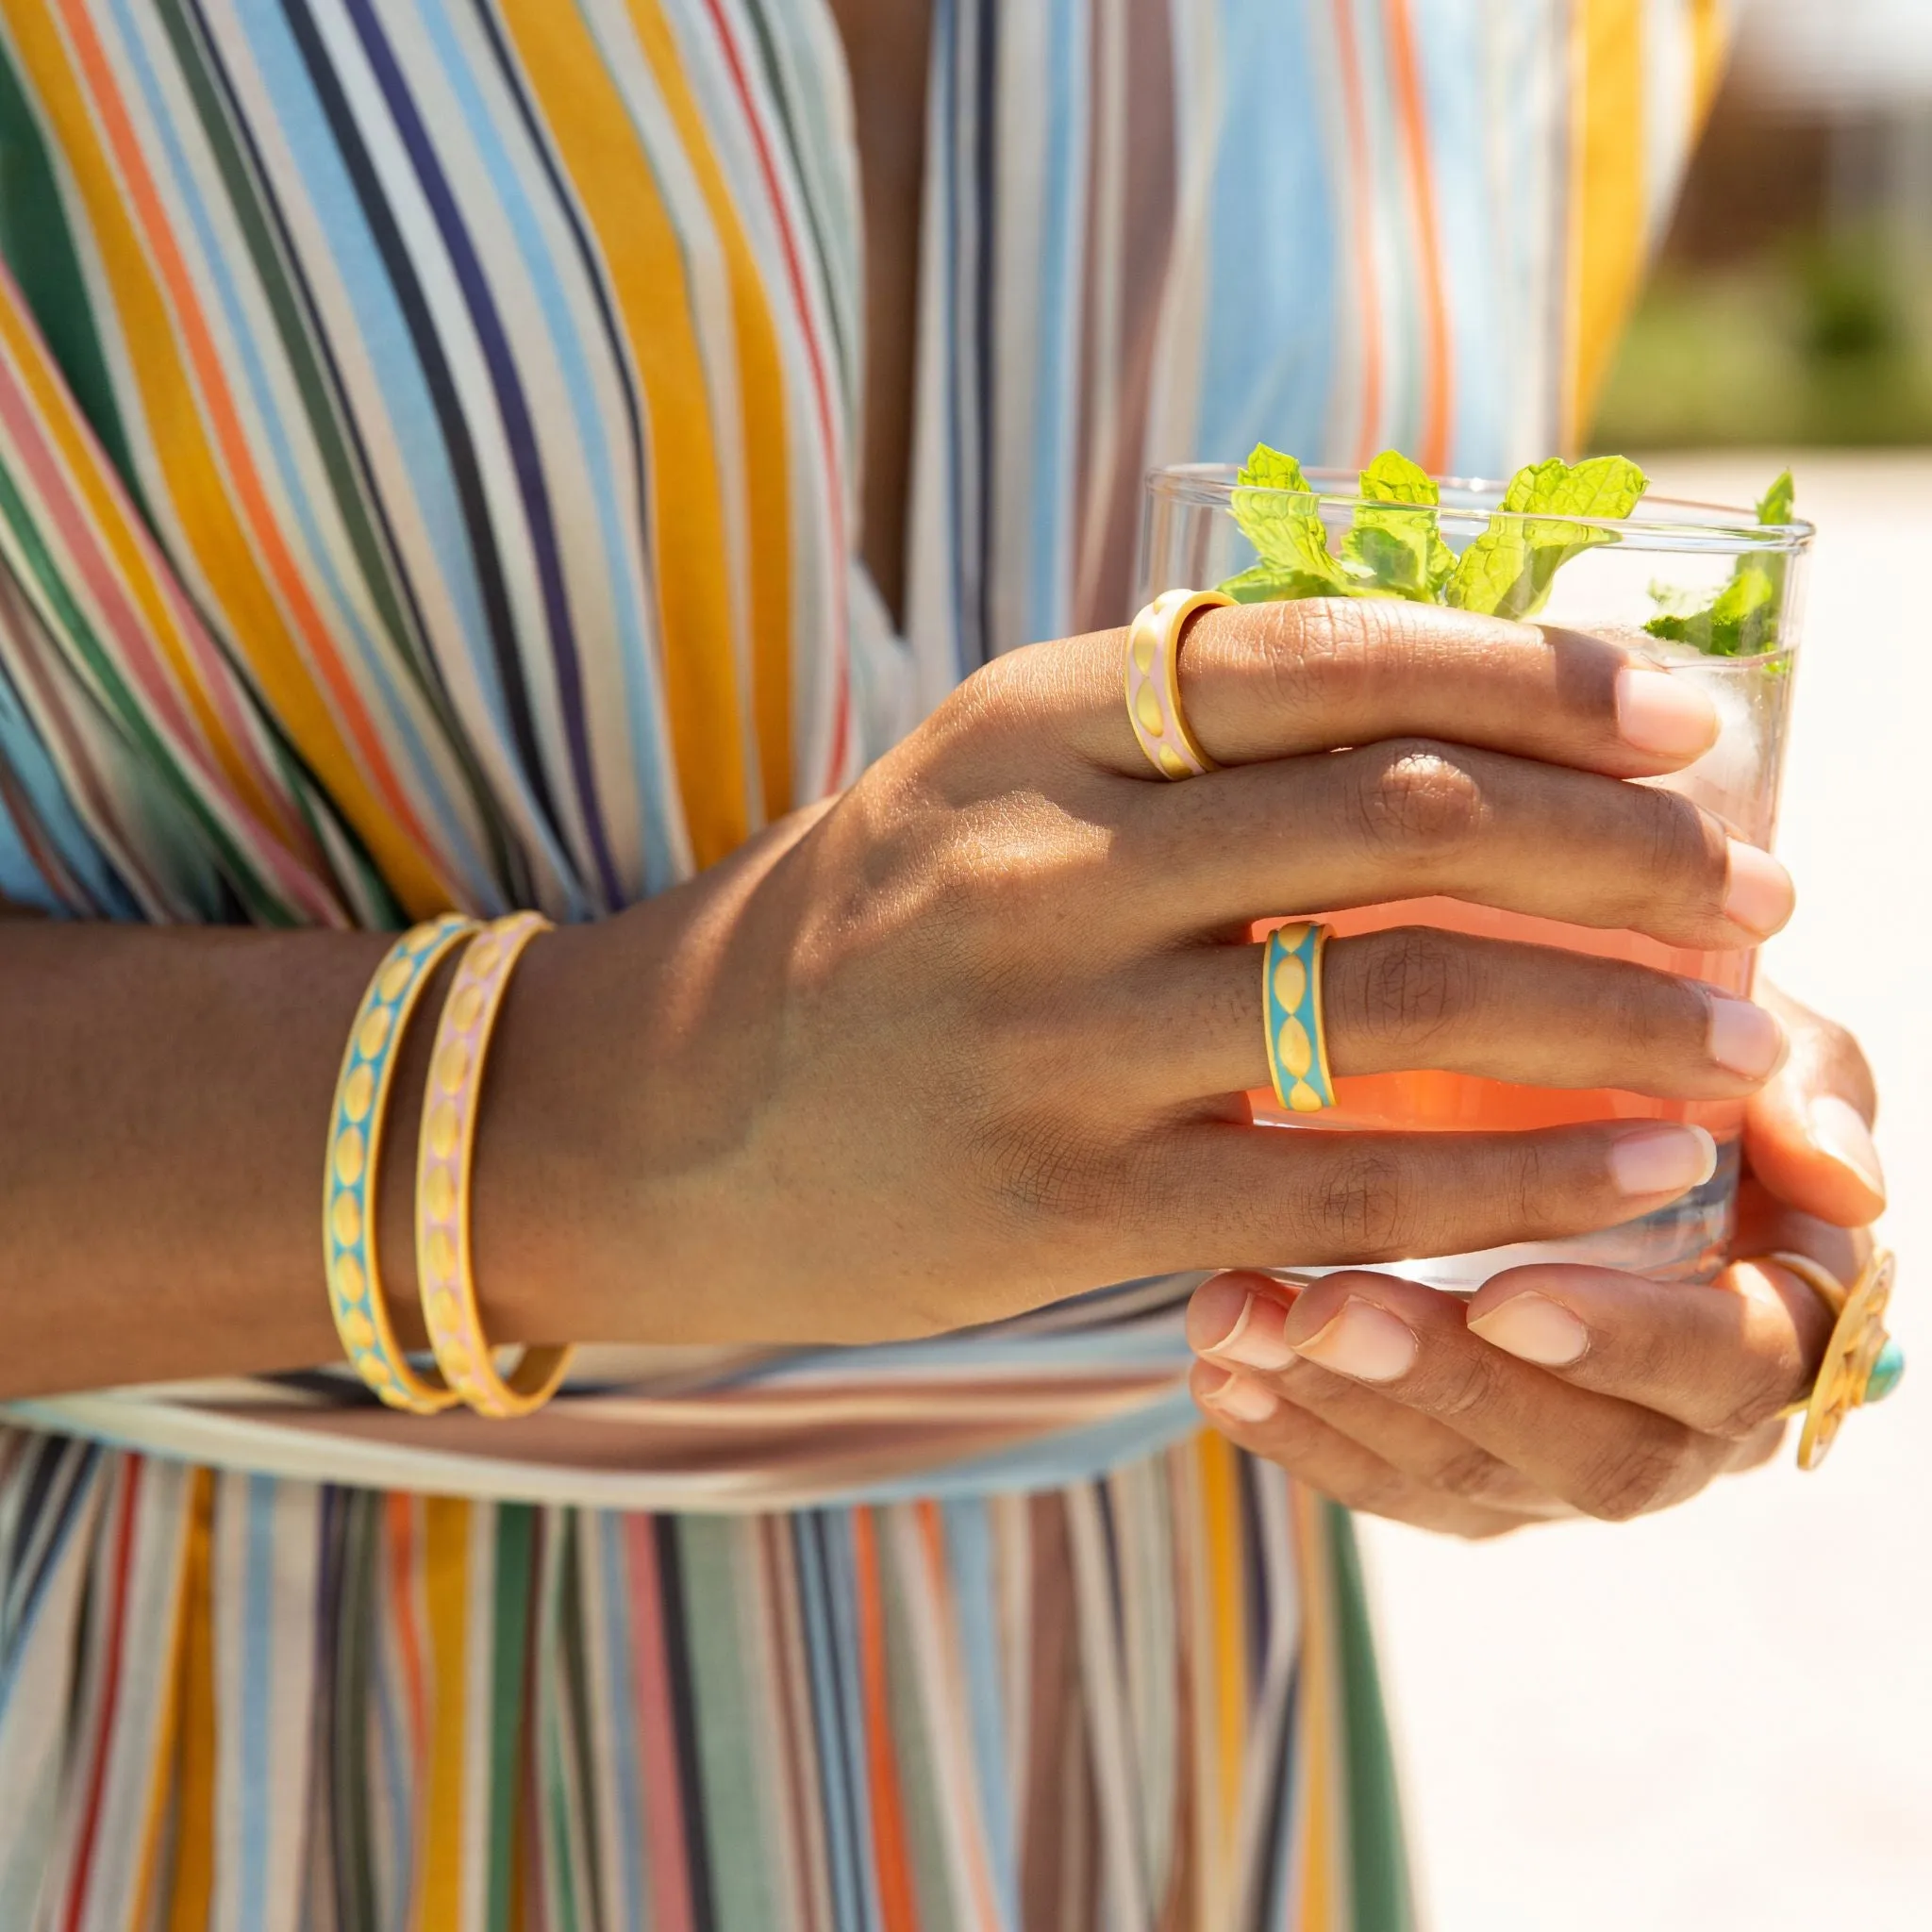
(1153,683)
(1291,1009)
(1862,1363)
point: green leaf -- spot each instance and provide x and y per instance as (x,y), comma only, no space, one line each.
(1397,551)
(1775,506)
(1507,571)
(1741,620)
(1280,515)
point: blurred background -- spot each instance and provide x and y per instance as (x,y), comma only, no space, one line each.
(1720,1720)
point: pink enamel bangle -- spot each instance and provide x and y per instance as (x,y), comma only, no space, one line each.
(445,1154)
(1153,683)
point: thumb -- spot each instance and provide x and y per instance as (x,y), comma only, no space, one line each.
(1808,1133)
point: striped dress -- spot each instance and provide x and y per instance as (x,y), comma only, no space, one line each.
(427,477)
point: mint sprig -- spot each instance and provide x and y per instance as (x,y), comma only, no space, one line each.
(1395,546)
(1741,620)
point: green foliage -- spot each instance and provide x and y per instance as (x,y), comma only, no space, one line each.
(1741,620)
(1395,546)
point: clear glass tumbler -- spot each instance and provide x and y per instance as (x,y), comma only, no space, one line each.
(1683,553)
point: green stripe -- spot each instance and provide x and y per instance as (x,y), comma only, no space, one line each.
(39,248)
(1383,1899)
(355,1866)
(510,1623)
(738,1829)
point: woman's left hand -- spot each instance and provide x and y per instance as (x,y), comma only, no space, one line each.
(1561,1391)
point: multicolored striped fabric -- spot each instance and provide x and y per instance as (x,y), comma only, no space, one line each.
(1140,1701)
(427,469)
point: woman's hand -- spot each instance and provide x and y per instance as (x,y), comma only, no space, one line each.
(975,1036)
(1562,1391)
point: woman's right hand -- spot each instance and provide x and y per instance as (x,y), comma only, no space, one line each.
(974,1036)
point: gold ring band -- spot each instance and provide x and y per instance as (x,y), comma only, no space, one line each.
(1153,683)
(1861,1363)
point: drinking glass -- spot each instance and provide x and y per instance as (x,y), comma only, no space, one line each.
(1189,537)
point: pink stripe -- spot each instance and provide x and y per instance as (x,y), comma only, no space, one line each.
(670,1883)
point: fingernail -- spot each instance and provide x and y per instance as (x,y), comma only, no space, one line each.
(1839,1128)
(1244,1399)
(1255,1340)
(1663,714)
(1363,1341)
(1758,894)
(1744,1037)
(1662,1159)
(1534,1327)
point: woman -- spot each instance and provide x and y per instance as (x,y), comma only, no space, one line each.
(431,459)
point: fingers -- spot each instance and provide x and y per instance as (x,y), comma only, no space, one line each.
(1417,997)
(1273,680)
(1808,1136)
(1316,1453)
(1409,818)
(1210,1193)
(1723,1360)
(1607,1456)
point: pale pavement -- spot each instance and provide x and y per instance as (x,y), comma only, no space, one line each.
(1720,1720)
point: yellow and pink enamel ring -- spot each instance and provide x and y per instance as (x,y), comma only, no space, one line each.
(1291,961)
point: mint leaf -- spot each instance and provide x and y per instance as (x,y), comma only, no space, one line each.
(1285,528)
(1741,620)
(1397,551)
(1271,583)
(1507,571)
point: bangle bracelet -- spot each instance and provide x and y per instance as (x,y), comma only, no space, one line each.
(354,1154)
(444,1157)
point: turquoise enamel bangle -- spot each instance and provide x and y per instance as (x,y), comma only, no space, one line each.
(355,1153)
(1291,1009)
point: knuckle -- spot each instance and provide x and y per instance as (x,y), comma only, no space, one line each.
(1417,983)
(1684,851)
(1473,1474)
(1359,1209)
(1760,1390)
(1642,1471)
(1417,799)
(1318,654)
(1465,1383)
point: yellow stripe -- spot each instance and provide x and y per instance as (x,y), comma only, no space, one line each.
(1220,1519)
(194,483)
(1710,32)
(1606,203)
(616,191)
(191,1883)
(762,396)
(447,1591)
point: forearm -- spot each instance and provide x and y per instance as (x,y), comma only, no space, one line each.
(164,1101)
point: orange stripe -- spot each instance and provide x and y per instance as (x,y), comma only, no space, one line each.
(897,1908)
(1368,328)
(198,488)
(1323,1872)
(1608,213)
(1709,45)
(1222,1524)
(1438,373)
(616,190)
(763,403)
(446,1587)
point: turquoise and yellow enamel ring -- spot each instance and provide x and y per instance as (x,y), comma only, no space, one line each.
(1152,675)
(1862,1363)
(1292,1009)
